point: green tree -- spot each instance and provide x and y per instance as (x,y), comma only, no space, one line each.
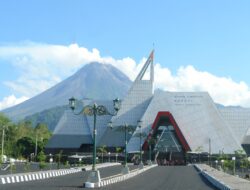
(66,164)
(240,153)
(102,149)
(58,159)
(27,166)
(244,164)
(41,157)
(4,120)
(10,147)
(42,130)
(23,129)
(199,149)
(5,124)
(25,146)
(20,138)
(228,164)
(118,149)
(42,165)
(41,134)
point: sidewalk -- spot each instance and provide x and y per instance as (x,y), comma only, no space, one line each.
(231,181)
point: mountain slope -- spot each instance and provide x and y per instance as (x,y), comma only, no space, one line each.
(50,117)
(95,80)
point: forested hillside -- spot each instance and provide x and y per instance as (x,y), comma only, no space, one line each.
(20,139)
(50,117)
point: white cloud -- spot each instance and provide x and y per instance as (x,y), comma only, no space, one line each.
(43,65)
(11,101)
(223,90)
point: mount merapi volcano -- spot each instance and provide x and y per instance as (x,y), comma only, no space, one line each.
(94,81)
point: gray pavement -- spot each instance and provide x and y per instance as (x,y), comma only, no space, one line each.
(72,181)
(233,182)
(161,177)
(165,178)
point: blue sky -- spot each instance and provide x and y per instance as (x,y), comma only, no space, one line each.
(210,37)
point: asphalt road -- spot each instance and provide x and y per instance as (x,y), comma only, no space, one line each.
(68,182)
(165,178)
(162,177)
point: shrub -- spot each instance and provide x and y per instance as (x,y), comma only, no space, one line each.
(42,165)
(27,166)
(66,164)
(41,157)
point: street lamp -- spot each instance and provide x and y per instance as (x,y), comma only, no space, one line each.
(140,134)
(3,133)
(139,125)
(216,164)
(80,161)
(109,156)
(126,129)
(222,164)
(233,159)
(150,141)
(36,148)
(116,155)
(50,160)
(94,110)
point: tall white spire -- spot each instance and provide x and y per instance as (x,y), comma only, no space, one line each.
(150,61)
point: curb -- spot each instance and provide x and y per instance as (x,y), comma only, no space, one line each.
(25,177)
(217,183)
(87,168)
(117,179)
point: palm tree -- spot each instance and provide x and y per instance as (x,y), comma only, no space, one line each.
(102,149)
(117,150)
(199,149)
(150,141)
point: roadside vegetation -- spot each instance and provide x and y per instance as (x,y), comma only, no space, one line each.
(20,139)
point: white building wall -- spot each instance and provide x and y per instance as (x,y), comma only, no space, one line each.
(238,119)
(197,118)
(71,124)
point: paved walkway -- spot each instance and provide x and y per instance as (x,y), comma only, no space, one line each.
(235,183)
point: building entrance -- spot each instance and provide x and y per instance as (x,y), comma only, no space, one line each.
(169,145)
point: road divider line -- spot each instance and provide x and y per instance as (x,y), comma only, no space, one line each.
(117,178)
(3,181)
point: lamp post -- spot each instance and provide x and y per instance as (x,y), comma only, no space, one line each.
(94,110)
(233,159)
(3,133)
(149,154)
(222,164)
(116,155)
(36,148)
(209,152)
(151,141)
(80,161)
(109,156)
(50,160)
(140,134)
(216,164)
(126,129)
